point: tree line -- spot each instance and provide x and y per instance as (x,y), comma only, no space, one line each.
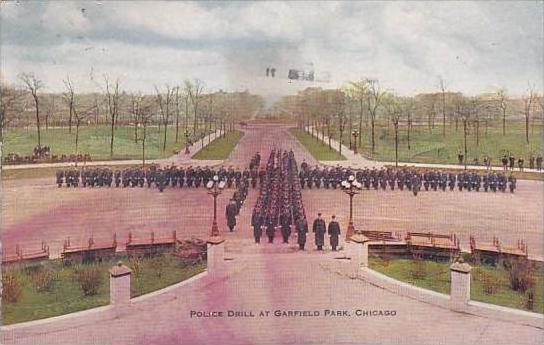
(357,108)
(189,107)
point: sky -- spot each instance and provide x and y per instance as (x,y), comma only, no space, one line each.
(474,47)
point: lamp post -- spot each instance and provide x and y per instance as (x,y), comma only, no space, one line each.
(355,134)
(187,141)
(351,187)
(215,187)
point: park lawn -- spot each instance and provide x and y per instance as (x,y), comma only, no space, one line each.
(220,148)
(95,140)
(317,148)
(437,278)
(426,147)
(67,297)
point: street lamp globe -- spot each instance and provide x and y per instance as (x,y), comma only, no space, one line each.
(222,185)
(215,178)
(209,185)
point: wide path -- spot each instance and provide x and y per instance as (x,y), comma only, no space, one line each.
(287,282)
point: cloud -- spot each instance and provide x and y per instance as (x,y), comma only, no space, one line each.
(65,17)
(474,46)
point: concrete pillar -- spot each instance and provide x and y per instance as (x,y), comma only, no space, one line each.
(460,284)
(215,255)
(120,284)
(358,251)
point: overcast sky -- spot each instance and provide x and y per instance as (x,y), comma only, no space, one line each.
(475,46)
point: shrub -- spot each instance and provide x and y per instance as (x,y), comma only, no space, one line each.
(43,280)
(530,302)
(489,284)
(11,287)
(136,265)
(521,274)
(419,268)
(89,279)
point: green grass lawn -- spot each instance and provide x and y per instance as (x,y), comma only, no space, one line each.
(318,149)
(220,148)
(436,277)
(96,142)
(427,147)
(66,296)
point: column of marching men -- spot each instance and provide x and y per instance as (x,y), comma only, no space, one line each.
(412,179)
(154,176)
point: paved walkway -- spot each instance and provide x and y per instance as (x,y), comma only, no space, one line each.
(358,161)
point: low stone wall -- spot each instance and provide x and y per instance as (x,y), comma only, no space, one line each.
(444,301)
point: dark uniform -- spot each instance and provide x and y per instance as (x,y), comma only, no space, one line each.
(334,233)
(319,228)
(231,211)
(257,223)
(302,230)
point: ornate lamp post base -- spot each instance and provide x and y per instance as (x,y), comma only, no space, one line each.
(350,231)
(215,237)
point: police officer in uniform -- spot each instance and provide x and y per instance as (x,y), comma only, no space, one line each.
(334,232)
(319,228)
(231,211)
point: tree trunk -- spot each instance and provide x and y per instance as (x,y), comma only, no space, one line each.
(360,123)
(177,124)
(372,123)
(340,143)
(503,122)
(527,128)
(408,137)
(165,131)
(329,135)
(70,117)
(477,133)
(112,133)
(77,135)
(396,145)
(38,120)
(465,141)
(195,123)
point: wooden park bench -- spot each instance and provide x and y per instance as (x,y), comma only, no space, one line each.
(495,252)
(151,245)
(90,250)
(22,256)
(192,250)
(433,245)
(385,242)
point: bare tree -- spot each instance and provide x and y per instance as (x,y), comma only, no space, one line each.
(33,85)
(177,104)
(502,100)
(164,107)
(143,114)
(374,99)
(80,116)
(393,107)
(50,111)
(407,107)
(528,101)
(112,96)
(8,103)
(195,90)
(360,91)
(442,85)
(69,99)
